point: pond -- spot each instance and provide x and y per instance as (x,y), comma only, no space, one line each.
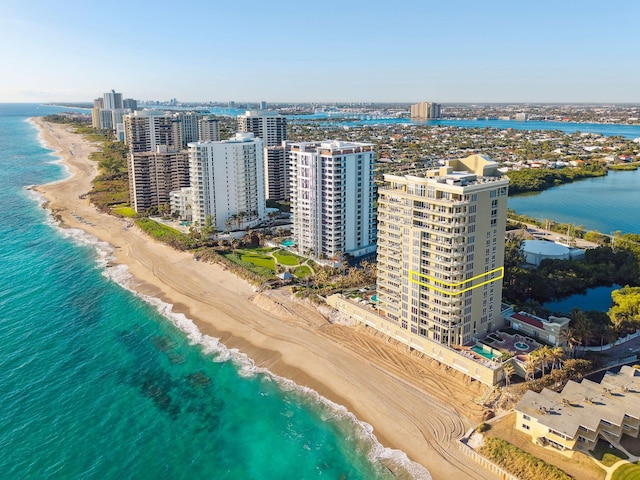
(597,298)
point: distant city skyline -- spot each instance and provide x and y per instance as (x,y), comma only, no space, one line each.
(286,51)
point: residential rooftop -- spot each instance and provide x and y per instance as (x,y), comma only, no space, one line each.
(586,404)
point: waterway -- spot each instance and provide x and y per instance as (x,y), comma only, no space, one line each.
(346,119)
(605,204)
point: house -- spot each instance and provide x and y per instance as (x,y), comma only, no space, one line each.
(582,413)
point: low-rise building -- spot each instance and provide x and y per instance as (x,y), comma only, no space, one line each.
(181,201)
(582,413)
(551,330)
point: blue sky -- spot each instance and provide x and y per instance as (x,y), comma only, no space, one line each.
(280,50)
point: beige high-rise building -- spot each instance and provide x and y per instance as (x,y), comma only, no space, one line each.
(441,250)
(425,110)
(154,175)
(147,129)
(208,129)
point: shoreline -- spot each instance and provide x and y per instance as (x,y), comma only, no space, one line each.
(413,405)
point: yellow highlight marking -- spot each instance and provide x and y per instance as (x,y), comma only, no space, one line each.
(453,285)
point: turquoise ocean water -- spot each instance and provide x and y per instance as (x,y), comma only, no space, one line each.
(95,383)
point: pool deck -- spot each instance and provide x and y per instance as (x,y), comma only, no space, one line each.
(508,342)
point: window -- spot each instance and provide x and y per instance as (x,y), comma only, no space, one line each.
(525,426)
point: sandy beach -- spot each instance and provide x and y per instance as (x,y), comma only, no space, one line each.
(413,404)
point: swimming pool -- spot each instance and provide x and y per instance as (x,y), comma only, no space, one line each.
(288,243)
(374,298)
(479,349)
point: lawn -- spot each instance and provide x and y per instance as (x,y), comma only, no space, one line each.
(125,211)
(302,272)
(628,471)
(287,258)
(606,454)
(258,259)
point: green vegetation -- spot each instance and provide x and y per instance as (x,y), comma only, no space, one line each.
(538,179)
(572,369)
(626,308)
(624,167)
(575,231)
(259,265)
(256,258)
(287,258)
(628,471)
(607,455)
(518,462)
(109,190)
(165,234)
(124,211)
(302,271)
(559,278)
(111,186)
(483,427)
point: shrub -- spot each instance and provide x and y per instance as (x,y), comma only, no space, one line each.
(483,427)
(518,462)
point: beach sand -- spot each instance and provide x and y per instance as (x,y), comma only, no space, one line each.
(414,404)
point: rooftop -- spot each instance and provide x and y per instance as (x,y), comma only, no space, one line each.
(586,404)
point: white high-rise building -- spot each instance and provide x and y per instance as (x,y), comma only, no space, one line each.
(112,100)
(227,182)
(188,126)
(332,198)
(181,202)
(271,127)
(441,251)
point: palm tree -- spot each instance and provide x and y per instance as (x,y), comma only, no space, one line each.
(544,355)
(556,357)
(568,336)
(239,218)
(582,327)
(509,370)
(234,244)
(530,370)
(227,224)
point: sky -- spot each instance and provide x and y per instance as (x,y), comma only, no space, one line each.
(447,51)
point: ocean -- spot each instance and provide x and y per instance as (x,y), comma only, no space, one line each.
(98,383)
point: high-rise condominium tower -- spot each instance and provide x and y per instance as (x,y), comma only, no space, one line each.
(208,129)
(441,250)
(227,182)
(272,129)
(112,100)
(425,110)
(188,126)
(332,197)
(146,129)
(154,175)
